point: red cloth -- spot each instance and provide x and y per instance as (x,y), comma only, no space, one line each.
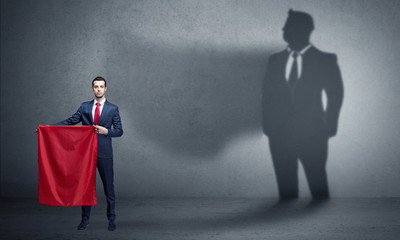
(67,165)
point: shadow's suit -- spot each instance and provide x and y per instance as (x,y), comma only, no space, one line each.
(295,121)
(111,120)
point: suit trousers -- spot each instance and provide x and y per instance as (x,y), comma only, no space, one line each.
(312,151)
(106,171)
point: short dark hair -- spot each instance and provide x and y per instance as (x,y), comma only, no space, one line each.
(100,79)
(300,20)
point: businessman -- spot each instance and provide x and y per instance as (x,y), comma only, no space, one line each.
(107,122)
(297,123)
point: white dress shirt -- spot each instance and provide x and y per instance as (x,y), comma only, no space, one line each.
(101,106)
(290,60)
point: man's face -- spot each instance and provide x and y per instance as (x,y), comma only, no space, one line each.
(99,88)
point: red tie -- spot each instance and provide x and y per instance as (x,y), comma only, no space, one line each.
(97,113)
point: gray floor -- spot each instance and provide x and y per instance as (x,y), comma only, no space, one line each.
(207,218)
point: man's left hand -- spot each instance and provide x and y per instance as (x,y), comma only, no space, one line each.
(100,129)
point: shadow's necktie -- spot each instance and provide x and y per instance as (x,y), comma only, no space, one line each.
(293,77)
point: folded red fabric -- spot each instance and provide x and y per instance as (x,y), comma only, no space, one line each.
(67,165)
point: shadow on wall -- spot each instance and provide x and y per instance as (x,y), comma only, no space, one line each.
(294,119)
(190,100)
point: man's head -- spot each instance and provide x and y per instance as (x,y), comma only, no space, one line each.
(297,29)
(99,87)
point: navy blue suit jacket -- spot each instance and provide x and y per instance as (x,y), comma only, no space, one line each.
(109,119)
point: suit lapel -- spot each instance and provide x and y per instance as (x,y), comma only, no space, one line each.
(103,112)
(283,58)
(307,63)
(90,111)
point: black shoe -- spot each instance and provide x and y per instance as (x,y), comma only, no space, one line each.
(112,226)
(84,223)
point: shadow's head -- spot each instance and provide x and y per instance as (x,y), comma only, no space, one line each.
(297,29)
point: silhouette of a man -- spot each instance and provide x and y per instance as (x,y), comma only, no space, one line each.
(294,118)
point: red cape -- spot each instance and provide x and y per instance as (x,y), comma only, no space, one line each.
(67,165)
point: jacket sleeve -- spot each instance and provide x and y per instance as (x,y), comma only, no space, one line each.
(266,98)
(334,92)
(116,130)
(74,119)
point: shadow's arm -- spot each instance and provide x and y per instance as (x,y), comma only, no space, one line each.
(266,98)
(335,92)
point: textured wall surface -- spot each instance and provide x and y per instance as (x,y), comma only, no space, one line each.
(187,78)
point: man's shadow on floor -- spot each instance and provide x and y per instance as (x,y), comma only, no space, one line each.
(253,214)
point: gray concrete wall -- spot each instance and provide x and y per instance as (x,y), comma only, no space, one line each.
(187,77)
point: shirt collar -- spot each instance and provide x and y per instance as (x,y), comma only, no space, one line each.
(302,50)
(101,102)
